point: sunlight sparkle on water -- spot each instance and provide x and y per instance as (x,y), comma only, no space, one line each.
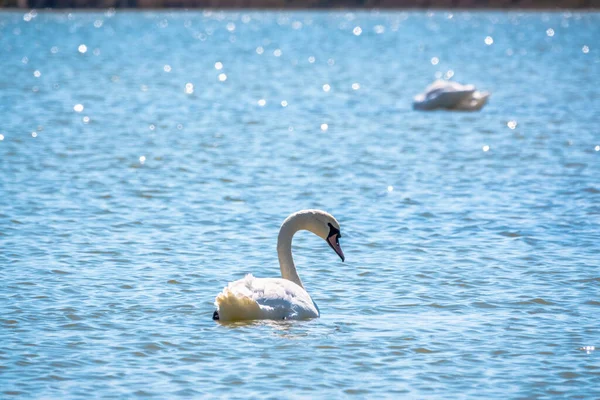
(486,148)
(357,31)
(1,137)
(588,349)
(550,32)
(86,119)
(512,124)
(219,65)
(78,107)
(189,88)
(260,50)
(277,53)
(597,148)
(311,59)
(284,103)
(222,77)
(324,127)
(167,68)
(34,134)
(435,61)
(489,40)
(261,102)
(390,188)
(585,49)
(37,73)
(82,48)
(142,159)
(326,87)
(356,86)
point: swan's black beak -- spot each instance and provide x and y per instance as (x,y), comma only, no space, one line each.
(334,242)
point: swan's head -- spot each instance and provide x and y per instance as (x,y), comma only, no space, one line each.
(326,226)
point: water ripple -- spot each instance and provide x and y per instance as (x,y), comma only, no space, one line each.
(132,193)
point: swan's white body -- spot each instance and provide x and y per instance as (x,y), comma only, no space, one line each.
(264,298)
(450,96)
(278,298)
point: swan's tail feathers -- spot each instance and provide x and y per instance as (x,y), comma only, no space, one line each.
(233,306)
(216,315)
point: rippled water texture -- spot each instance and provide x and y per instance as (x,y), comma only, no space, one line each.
(148,158)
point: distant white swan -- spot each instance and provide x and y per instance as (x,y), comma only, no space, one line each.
(276,298)
(450,96)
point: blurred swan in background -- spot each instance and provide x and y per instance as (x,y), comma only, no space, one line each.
(279,298)
(450,96)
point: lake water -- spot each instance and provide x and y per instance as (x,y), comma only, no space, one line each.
(148,158)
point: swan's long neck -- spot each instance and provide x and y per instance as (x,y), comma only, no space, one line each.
(290,226)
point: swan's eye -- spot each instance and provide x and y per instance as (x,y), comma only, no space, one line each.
(333,231)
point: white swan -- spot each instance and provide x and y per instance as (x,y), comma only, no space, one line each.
(279,298)
(451,96)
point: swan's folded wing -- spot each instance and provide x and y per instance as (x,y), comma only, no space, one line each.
(264,298)
(475,102)
(443,94)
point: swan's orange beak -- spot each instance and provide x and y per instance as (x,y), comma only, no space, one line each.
(334,243)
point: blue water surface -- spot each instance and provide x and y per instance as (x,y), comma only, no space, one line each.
(148,158)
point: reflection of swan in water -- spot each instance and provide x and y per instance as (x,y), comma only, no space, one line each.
(279,298)
(450,96)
